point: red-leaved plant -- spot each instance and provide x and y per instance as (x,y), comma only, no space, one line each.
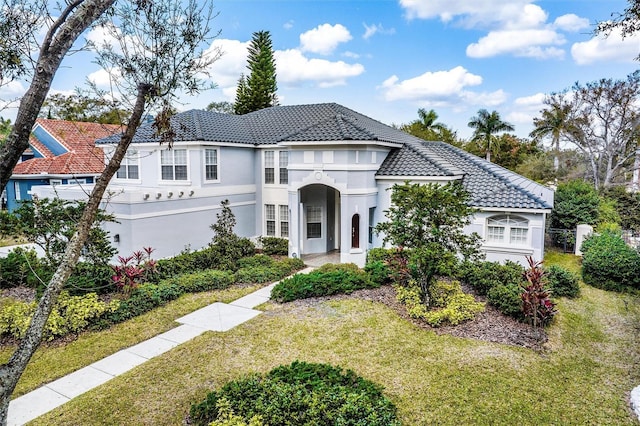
(537,306)
(133,270)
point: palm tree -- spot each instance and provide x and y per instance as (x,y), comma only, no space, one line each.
(554,122)
(426,127)
(486,125)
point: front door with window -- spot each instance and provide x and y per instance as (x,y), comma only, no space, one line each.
(355,231)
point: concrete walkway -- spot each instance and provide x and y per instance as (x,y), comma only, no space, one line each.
(215,317)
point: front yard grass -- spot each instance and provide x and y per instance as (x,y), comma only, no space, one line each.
(583,378)
(53,361)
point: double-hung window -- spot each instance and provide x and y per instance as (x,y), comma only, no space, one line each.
(314,222)
(129,168)
(283,165)
(211,163)
(507,229)
(284,221)
(269,167)
(174,164)
(270,214)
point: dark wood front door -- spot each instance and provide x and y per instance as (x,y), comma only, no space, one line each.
(355,231)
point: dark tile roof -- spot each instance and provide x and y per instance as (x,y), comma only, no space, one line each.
(294,123)
(489,184)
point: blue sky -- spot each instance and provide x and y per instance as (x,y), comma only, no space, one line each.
(387,58)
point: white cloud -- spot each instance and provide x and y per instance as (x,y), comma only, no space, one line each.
(611,48)
(533,101)
(324,38)
(288,25)
(536,43)
(104,79)
(294,68)
(226,71)
(469,13)
(441,88)
(519,117)
(571,23)
(370,30)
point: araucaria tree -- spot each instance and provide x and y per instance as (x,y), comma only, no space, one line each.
(258,89)
(429,220)
(160,52)
(603,123)
(487,125)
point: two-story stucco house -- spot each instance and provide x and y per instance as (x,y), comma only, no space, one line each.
(316,174)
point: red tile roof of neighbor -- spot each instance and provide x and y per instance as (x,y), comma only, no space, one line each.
(78,138)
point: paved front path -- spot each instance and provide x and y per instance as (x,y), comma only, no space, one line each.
(215,317)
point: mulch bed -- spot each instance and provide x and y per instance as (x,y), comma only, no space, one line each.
(490,325)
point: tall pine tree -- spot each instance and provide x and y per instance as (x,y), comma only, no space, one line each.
(258,90)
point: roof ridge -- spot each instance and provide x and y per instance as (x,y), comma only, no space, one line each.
(197,124)
(437,160)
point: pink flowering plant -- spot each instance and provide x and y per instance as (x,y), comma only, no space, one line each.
(134,270)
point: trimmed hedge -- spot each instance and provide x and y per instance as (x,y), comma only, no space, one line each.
(609,263)
(507,298)
(485,275)
(327,280)
(299,394)
(275,246)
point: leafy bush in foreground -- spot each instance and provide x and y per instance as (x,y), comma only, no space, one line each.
(274,245)
(325,281)
(507,298)
(300,394)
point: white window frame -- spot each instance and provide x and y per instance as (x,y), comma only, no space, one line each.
(283,220)
(507,229)
(269,164)
(313,216)
(130,160)
(283,166)
(55,182)
(217,164)
(171,154)
(270,219)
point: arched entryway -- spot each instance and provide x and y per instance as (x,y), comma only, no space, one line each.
(319,219)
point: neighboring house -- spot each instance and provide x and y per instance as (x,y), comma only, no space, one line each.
(60,153)
(316,174)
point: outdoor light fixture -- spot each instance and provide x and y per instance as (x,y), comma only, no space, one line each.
(190,193)
(169,194)
(158,195)
(180,194)
(146,196)
(116,238)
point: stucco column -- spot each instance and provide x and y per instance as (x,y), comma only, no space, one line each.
(294,224)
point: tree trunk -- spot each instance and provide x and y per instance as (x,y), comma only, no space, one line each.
(55,47)
(635,181)
(11,371)
(556,155)
(488,156)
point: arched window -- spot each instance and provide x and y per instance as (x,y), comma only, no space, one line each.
(507,229)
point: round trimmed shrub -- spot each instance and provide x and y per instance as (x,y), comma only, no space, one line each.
(507,298)
(562,282)
(483,276)
(300,394)
(609,263)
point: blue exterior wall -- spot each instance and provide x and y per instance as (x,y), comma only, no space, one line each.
(25,186)
(47,140)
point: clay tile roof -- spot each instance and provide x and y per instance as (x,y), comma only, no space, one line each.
(78,138)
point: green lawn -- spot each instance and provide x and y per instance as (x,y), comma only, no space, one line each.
(583,378)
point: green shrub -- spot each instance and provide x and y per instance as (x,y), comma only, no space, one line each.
(143,299)
(380,254)
(256,260)
(23,268)
(259,274)
(203,281)
(609,263)
(327,280)
(507,298)
(90,278)
(562,282)
(300,394)
(70,314)
(291,264)
(379,272)
(485,275)
(451,304)
(275,246)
